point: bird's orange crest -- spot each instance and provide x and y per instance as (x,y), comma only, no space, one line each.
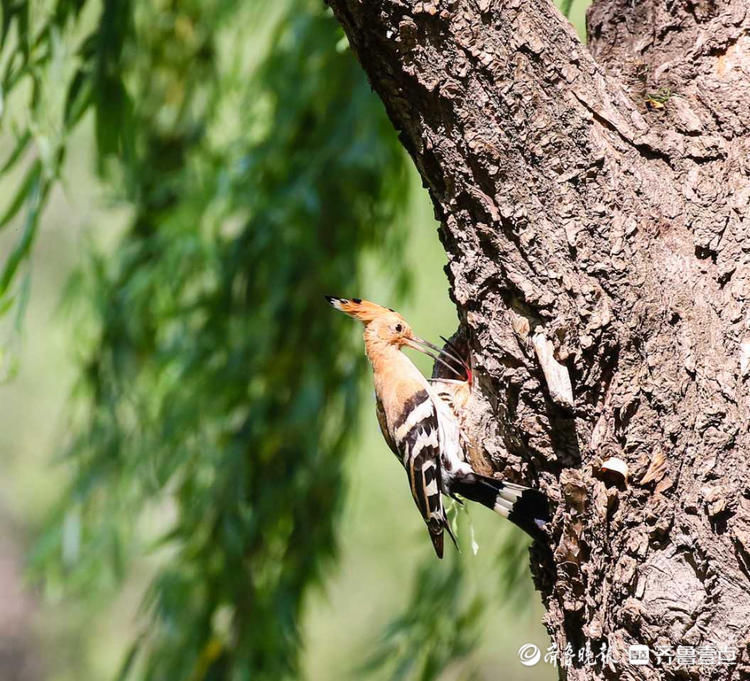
(360,309)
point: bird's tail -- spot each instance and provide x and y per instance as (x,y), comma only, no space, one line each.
(525,507)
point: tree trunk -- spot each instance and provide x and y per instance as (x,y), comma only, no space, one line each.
(594,207)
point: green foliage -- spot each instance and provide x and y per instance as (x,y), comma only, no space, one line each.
(441,623)
(513,570)
(566,6)
(33,148)
(217,384)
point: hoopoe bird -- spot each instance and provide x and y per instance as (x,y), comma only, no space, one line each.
(419,422)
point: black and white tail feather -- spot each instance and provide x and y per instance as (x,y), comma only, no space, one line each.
(525,507)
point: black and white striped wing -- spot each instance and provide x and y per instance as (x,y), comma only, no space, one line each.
(417,439)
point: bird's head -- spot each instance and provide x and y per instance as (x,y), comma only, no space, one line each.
(385,326)
(381,323)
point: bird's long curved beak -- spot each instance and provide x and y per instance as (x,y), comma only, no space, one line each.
(441,355)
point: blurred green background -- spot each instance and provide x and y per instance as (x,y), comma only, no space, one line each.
(195,165)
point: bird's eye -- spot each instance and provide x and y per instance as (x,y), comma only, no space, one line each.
(399,328)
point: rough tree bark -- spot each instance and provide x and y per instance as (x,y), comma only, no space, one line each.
(594,205)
